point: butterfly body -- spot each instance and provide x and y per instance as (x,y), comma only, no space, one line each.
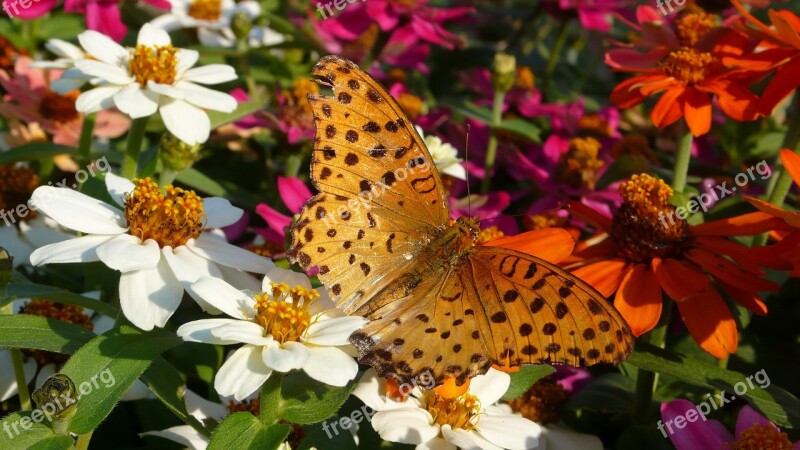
(437,302)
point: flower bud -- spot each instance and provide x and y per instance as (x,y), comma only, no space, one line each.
(504,72)
(58,399)
(6,267)
(241,24)
(176,154)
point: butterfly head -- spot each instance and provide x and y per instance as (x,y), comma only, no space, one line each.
(469,227)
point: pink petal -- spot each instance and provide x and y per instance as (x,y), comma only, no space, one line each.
(107,19)
(35,9)
(698,435)
(274,219)
(749,417)
(294,193)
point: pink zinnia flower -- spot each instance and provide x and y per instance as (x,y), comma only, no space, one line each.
(294,193)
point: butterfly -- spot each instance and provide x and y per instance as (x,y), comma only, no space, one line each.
(380,234)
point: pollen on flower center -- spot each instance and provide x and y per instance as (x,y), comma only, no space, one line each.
(153,64)
(66,313)
(295,108)
(285,312)
(579,166)
(208,10)
(60,108)
(542,402)
(411,104)
(17,183)
(525,78)
(170,218)
(694,26)
(594,124)
(760,437)
(646,226)
(252,406)
(458,412)
(489,233)
(689,66)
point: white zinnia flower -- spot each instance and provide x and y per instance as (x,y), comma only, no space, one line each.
(444,155)
(213,18)
(157,241)
(154,76)
(72,78)
(287,326)
(469,421)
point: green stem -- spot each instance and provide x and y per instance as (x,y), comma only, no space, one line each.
(647,381)
(135,138)
(16,359)
(377,48)
(293,163)
(555,55)
(83,441)
(242,48)
(491,148)
(682,158)
(270,399)
(167,176)
(85,141)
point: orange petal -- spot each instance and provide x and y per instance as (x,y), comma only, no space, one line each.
(667,109)
(710,322)
(791,162)
(738,252)
(589,215)
(679,279)
(735,100)
(550,244)
(627,94)
(790,217)
(744,225)
(729,272)
(587,252)
(638,299)
(747,299)
(782,84)
(697,109)
(605,276)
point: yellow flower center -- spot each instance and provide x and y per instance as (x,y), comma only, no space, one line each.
(170,218)
(17,183)
(759,437)
(458,412)
(634,145)
(578,167)
(285,312)
(542,402)
(694,26)
(689,66)
(646,226)
(60,108)
(397,75)
(58,311)
(208,10)
(153,64)
(297,110)
(545,220)
(525,78)
(595,125)
(268,249)
(487,234)
(252,406)
(411,104)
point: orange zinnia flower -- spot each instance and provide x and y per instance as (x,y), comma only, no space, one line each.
(649,250)
(691,75)
(782,54)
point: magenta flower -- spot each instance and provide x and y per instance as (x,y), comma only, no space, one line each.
(752,429)
(425,21)
(36,9)
(596,15)
(294,194)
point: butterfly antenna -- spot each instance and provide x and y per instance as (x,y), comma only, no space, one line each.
(466,158)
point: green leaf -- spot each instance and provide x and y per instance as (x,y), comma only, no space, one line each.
(34,151)
(26,331)
(328,437)
(242,110)
(18,437)
(608,392)
(166,382)
(307,401)
(523,380)
(243,431)
(200,181)
(54,443)
(523,128)
(107,366)
(775,403)
(33,290)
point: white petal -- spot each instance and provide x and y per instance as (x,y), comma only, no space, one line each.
(330,366)
(490,387)
(135,102)
(64,49)
(244,332)
(187,266)
(456,171)
(151,36)
(117,187)
(102,47)
(224,297)
(219,251)
(281,275)
(510,431)
(206,98)
(405,425)
(137,391)
(127,253)
(242,374)
(96,99)
(210,74)
(187,122)
(220,213)
(239,279)
(215,38)
(334,331)
(102,323)
(201,408)
(285,357)
(467,440)
(40,233)
(15,245)
(437,443)
(82,249)
(110,73)
(253,9)
(371,390)
(8,382)
(167,22)
(186,60)
(150,297)
(78,211)
(45,372)
(563,439)
(166,89)
(64,85)
(184,435)
(203,331)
